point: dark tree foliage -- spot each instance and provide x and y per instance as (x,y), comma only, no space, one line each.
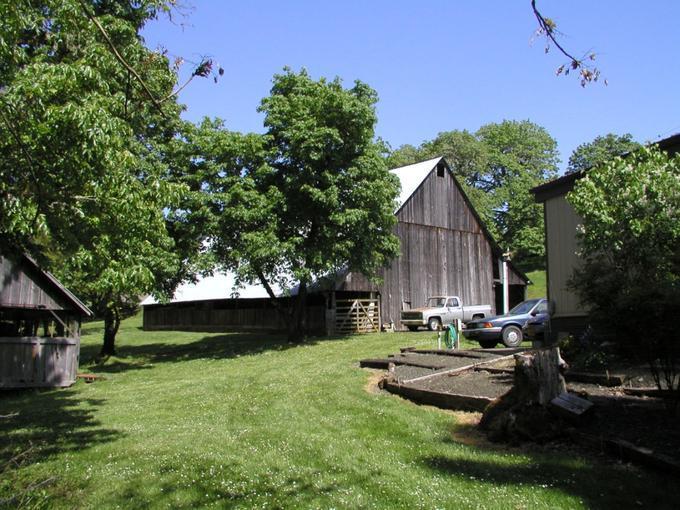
(630,246)
(600,150)
(86,114)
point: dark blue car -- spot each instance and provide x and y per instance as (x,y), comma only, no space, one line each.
(505,328)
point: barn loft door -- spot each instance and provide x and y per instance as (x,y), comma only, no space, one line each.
(357,316)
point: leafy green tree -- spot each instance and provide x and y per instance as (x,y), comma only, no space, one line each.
(496,167)
(521,155)
(310,198)
(82,143)
(630,246)
(600,150)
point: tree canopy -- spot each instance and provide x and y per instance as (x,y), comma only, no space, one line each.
(310,198)
(630,246)
(82,140)
(600,150)
(497,166)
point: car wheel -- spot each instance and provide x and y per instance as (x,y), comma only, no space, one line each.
(512,336)
(412,328)
(488,344)
(434,324)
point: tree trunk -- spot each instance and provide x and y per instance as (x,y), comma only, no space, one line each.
(111,325)
(297,326)
(522,413)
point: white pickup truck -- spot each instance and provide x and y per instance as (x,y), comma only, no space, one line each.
(442,310)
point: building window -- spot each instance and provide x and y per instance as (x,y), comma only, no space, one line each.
(440,170)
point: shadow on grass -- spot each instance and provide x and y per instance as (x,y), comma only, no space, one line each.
(598,484)
(201,489)
(38,424)
(224,346)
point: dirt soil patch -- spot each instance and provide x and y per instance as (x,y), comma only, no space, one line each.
(642,421)
(478,384)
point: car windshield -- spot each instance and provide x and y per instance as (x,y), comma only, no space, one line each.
(524,307)
(435,302)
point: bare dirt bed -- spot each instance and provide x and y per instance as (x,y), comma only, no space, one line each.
(642,421)
(478,384)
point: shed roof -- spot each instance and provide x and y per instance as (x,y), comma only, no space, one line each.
(48,279)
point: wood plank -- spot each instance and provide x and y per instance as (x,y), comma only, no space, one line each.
(439,398)
(647,392)
(443,352)
(605,379)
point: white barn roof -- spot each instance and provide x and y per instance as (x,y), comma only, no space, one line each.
(412,176)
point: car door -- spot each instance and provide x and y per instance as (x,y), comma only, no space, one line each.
(453,310)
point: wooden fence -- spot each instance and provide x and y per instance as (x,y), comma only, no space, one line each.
(28,362)
(357,316)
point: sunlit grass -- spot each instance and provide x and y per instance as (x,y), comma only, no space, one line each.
(538,289)
(187,420)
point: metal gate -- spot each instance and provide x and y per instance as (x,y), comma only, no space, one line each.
(357,316)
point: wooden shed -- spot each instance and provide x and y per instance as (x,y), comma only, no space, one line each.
(39,326)
(569,315)
(445,249)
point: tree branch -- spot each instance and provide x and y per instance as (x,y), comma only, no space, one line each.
(120,58)
(548,28)
(270,292)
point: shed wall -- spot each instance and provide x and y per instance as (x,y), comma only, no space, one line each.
(256,314)
(33,362)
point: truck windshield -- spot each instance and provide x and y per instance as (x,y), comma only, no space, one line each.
(435,302)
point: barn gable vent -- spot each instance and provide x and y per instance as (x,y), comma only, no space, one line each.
(440,169)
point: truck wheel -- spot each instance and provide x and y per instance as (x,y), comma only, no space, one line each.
(512,336)
(478,316)
(412,328)
(434,324)
(488,344)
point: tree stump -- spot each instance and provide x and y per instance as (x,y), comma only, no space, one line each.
(522,413)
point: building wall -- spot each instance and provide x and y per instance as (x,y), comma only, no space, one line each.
(443,251)
(561,228)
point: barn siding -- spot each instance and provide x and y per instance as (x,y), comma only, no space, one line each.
(444,250)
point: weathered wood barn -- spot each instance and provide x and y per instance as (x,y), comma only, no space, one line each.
(569,315)
(445,249)
(39,326)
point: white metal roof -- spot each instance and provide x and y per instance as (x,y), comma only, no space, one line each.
(218,286)
(411,176)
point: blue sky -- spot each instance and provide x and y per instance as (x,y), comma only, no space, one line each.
(441,65)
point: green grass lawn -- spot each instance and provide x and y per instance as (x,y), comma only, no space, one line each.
(538,289)
(187,420)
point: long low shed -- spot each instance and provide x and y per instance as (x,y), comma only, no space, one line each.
(326,313)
